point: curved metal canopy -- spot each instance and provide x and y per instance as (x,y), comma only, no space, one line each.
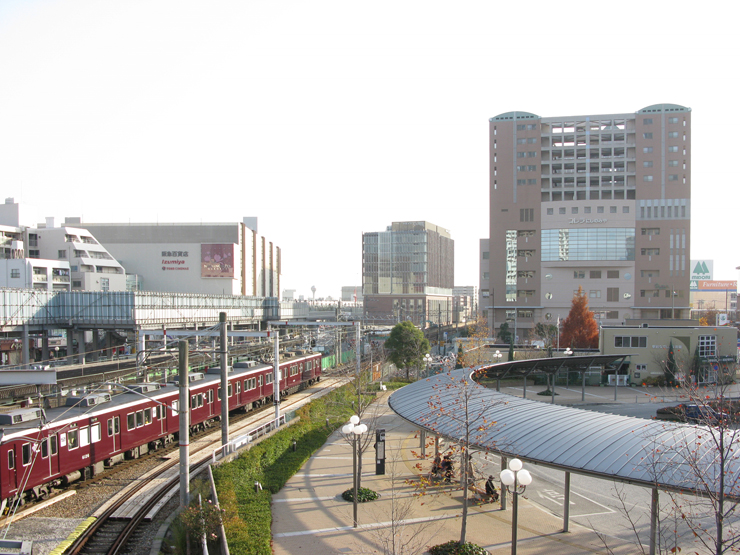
(634,450)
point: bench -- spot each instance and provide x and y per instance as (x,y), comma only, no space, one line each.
(480,494)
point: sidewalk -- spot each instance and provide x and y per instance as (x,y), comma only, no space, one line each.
(310,516)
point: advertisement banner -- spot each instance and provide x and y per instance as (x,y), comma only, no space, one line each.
(217,261)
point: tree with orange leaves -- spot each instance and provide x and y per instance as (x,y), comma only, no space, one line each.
(580,329)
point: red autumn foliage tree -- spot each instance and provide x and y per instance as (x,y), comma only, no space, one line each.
(580,329)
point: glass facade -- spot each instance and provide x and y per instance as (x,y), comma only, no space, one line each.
(511,266)
(617,243)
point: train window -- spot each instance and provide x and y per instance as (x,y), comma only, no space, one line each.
(131,421)
(259,381)
(53,441)
(95,433)
(84,436)
(219,393)
(175,407)
(110,427)
(231,392)
(238,387)
(26,454)
(45,448)
(268,378)
(11,459)
(139,418)
(72,440)
(210,396)
(147,416)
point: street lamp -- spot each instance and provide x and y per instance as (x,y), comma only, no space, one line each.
(356,429)
(497,355)
(568,352)
(428,362)
(516,481)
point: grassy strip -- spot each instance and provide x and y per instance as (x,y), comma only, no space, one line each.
(272,462)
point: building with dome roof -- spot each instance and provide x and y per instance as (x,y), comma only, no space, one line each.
(597,201)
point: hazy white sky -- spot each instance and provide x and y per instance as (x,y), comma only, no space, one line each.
(329,118)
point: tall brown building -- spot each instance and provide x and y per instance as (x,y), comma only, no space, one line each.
(602,202)
(408,272)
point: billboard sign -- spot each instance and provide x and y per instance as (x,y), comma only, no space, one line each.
(217,261)
(714,285)
(700,270)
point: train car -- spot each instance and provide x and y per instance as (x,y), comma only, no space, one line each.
(41,450)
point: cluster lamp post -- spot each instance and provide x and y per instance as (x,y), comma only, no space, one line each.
(516,480)
(354,427)
(428,362)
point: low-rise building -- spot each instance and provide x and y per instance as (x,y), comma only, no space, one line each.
(702,354)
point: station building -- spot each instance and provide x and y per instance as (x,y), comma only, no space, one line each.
(204,258)
(598,201)
(712,349)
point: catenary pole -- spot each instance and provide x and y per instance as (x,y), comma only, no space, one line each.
(224,380)
(184,425)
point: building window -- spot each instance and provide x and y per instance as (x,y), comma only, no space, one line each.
(612,294)
(647,135)
(707,346)
(77,284)
(574,210)
(526,215)
(625,209)
(647,164)
(630,342)
(612,209)
(594,294)
(561,210)
(673,135)
(673,163)
(594,274)
(650,252)
(673,177)
(104,284)
(549,211)
(647,121)
(647,177)
(486,254)
(612,274)
(672,149)
(647,149)
(579,274)
(586,209)
(62,254)
(15,273)
(650,231)
(599,209)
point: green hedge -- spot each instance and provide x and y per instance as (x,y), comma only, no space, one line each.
(272,462)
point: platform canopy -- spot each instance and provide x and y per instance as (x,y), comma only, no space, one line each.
(651,453)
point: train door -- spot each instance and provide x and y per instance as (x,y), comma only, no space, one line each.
(114,432)
(50,453)
(12,484)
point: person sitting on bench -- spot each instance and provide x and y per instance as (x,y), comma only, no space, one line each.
(491,490)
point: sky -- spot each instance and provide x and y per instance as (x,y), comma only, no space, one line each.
(326,119)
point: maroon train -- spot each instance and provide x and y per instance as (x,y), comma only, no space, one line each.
(44,449)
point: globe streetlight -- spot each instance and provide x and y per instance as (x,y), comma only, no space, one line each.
(516,480)
(497,358)
(428,362)
(356,429)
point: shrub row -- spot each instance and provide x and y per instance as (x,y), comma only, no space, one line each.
(272,462)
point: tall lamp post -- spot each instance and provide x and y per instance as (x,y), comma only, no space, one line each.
(356,429)
(428,362)
(496,359)
(516,481)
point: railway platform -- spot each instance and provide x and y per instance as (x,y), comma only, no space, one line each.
(310,516)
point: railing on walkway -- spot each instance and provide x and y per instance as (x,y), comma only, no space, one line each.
(242,440)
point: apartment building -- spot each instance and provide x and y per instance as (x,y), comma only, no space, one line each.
(597,201)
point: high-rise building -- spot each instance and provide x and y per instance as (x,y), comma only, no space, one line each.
(600,201)
(408,273)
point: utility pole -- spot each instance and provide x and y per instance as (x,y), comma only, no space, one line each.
(224,380)
(184,425)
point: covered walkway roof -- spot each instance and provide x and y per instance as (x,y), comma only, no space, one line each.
(669,455)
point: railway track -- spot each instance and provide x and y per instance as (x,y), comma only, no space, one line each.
(108,535)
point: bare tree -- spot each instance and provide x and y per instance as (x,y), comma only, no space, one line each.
(458,399)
